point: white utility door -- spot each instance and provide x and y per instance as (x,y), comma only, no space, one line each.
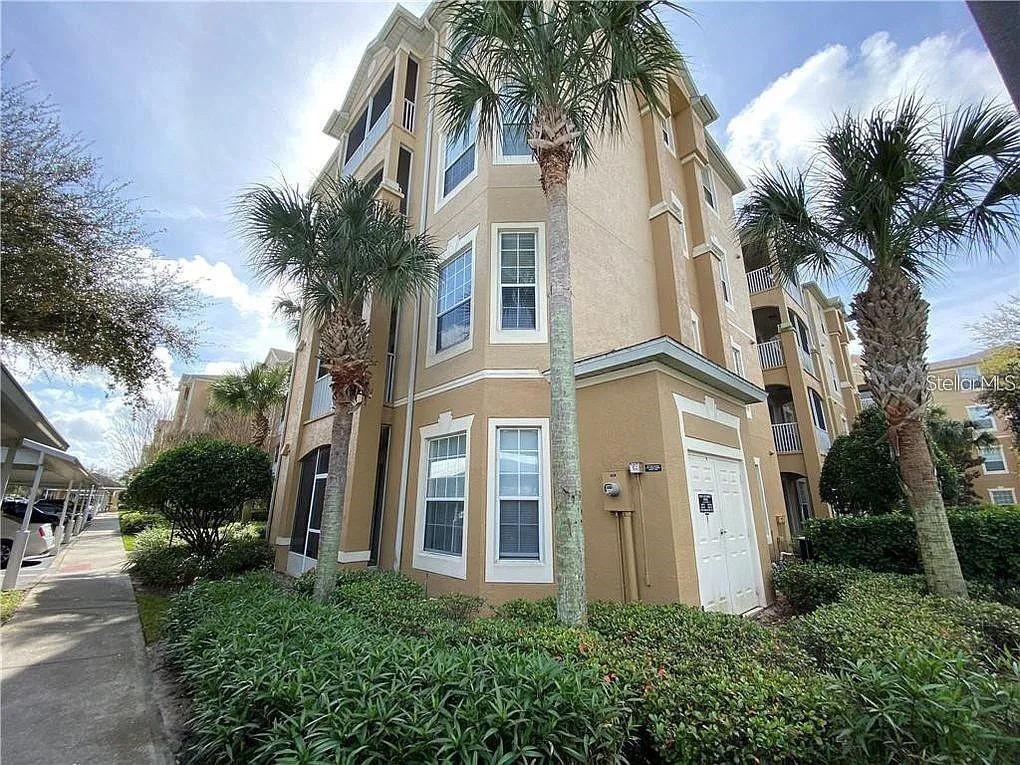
(723,540)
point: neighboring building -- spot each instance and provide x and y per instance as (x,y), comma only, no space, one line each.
(449,477)
(956,385)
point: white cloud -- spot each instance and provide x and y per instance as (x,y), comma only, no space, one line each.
(782,124)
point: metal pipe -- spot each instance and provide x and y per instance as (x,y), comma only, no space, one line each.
(630,570)
(58,532)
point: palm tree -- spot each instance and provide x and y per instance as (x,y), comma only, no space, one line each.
(567,70)
(254,392)
(288,311)
(338,246)
(890,198)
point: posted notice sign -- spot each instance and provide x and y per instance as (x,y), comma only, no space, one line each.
(705,504)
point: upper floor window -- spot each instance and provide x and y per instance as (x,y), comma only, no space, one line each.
(374,111)
(738,359)
(1002,496)
(517,280)
(833,376)
(803,335)
(453,306)
(995,460)
(666,132)
(981,416)
(724,280)
(512,143)
(708,186)
(817,409)
(969,377)
(459,158)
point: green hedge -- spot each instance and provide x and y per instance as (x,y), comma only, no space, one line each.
(987,540)
(134,521)
(281,678)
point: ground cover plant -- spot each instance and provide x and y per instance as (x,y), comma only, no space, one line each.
(872,670)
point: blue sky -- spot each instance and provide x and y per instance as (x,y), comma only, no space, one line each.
(191,101)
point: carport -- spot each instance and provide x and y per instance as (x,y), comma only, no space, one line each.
(33,455)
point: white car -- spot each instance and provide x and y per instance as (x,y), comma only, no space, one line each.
(40,537)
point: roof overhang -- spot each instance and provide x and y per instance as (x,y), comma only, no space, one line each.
(680,358)
(22,418)
(59,467)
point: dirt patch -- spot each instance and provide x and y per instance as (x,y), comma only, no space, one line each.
(174,705)
(776,615)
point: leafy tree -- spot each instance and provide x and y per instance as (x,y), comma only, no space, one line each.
(892,196)
(861,475)
(958,442)
(1002,393)
(200,487)
(80,288)
(338,245)
(254,392)
(569,71)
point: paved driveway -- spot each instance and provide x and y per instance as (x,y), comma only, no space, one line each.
(76,683)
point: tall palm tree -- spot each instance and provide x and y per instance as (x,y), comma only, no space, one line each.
(338,246)
(254,392)
(569,71)
(890,198)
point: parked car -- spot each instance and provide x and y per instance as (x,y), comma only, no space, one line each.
(40,536)
(45,510)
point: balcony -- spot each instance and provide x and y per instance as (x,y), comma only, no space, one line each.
(806,360)
(391,368)
(371,139)
(787,438)
(322,398)
(770,353)
(408,119)
(763,279)
(824,441)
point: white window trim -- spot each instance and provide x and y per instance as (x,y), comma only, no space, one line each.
(738,359)
(498,335)
(499,158)
(1005,466)
(990,416)
(696,321)
(437,563)
(454,248)
(513,570)
(666,131)
(1010,489)
(712,184)
(442,199)
(834,382)
(724,276)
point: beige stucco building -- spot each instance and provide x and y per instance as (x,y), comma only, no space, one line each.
(685,497)
(956,385)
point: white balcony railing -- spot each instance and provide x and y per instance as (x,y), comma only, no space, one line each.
(771,354)
(322,398)
(806,360)
(787,438)
(760,279)
(408,120)
(371,139)
(824,442)
(391,368)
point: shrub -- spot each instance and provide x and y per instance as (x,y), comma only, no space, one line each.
(806,586)
(158,563)
(987,541)
(133,521)
(281,678)
(201,487)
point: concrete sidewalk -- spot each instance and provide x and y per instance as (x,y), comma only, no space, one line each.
(75,678)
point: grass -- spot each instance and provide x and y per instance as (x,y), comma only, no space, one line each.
(9,602)
(152,613)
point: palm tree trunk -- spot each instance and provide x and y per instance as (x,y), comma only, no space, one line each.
(259,430)
(892,321)
(568,533)
(333,503)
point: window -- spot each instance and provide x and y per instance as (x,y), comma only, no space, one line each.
(404,177)
(518,492)
(738,360)
(444,495)
(369,116)
(453,306)
(968,378)
(666,131)
(459,159)
(708,186)
(803,337)
(696,331)
(512,143)
(995,460)
(981,416)
(817,409)
(308,510)
(1002,496)
(833,376)
(517,280)
(724,280)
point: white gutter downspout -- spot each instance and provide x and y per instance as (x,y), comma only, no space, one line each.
(398,539)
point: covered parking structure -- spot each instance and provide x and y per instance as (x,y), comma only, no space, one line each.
(34,456)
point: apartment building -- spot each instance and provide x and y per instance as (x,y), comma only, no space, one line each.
(956,384)
(449,465)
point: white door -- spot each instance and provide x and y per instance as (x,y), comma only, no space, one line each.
(723,541)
